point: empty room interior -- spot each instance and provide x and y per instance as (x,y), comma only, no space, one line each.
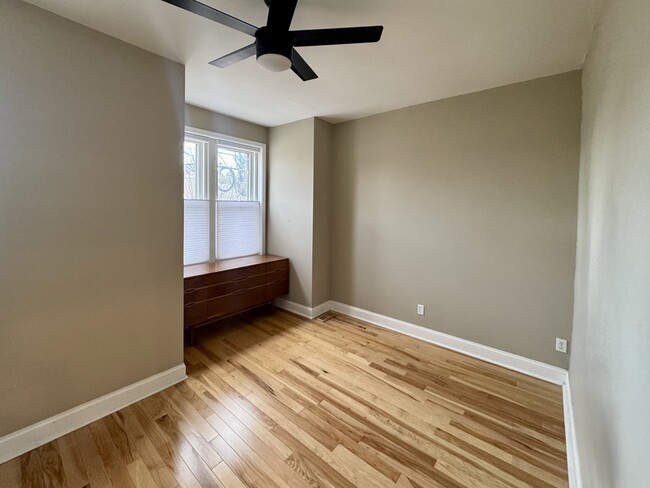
(324,243)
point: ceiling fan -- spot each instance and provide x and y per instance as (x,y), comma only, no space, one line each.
(274,43)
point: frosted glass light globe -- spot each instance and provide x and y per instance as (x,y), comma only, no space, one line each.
(274,62)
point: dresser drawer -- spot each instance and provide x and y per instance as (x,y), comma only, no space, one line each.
(224,276)
(196,282)
(277,289)
(234,302)
(276,266)
(195,313)
(195,295)
(236,274)
(277,271)
(236,285)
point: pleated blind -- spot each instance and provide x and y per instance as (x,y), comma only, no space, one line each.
(238,229)
(196,248)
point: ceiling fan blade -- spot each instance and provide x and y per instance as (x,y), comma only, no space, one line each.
(234,57)
(281,14)
(223,18)
(301,68)
(344,35)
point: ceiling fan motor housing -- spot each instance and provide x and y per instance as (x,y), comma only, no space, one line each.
(273,42)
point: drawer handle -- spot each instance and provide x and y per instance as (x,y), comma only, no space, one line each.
(274,282)
(191,290)
(239,292)
(191,304)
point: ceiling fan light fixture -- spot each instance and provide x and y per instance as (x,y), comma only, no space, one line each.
(274,62)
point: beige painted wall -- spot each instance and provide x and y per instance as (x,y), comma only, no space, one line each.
(200,118)
(610,361)
(468,206)
(291,202)
(322,212)
(91,215)
(298,211)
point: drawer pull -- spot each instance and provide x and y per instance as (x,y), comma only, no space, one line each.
(239,292)
(191,290)
(191,304)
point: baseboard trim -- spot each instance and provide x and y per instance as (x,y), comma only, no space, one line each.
(302,310)
(573,460)
(508,360)
(524,365)
(33,436)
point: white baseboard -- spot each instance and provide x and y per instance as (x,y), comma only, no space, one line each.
(302,310)
(573,460)
(530,367)
(33,436)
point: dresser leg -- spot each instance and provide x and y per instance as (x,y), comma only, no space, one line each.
(188,336)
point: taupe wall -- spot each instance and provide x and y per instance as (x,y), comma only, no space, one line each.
(200,118)
(291,203)
(298,218)
(610,361)
(91,215)
(322,212)
(468,206)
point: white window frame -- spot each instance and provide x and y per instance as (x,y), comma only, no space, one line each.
(203,160)
(212,139)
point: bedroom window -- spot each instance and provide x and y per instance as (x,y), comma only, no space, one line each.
(224,197)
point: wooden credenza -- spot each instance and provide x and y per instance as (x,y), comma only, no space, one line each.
(214,291)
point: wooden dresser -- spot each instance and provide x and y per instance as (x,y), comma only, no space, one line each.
(214,291)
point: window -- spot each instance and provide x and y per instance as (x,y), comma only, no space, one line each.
(224,197)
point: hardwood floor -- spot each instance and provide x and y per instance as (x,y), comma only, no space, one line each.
(281,401)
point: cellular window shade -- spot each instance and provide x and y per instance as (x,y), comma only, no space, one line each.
(238,229)
(196,242)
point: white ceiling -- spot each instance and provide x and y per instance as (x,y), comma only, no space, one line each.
(431,49)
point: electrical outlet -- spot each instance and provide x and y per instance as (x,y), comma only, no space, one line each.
(420,309)
(561,345)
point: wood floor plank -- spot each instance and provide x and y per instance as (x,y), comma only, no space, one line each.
(308,459)
(31,469)
(160,472)
(73,466)
(110,455)
(53,474)
(249,474)
(95,469)
(180,446)
(279,401)
(166,448)
(174,405)
(10,474)
(140,474)
(227,477)
(257,454)
(360,473)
